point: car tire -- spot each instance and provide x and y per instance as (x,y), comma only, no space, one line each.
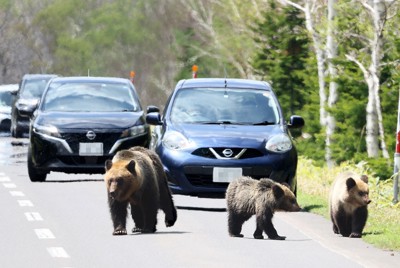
(18,133)
(34,174)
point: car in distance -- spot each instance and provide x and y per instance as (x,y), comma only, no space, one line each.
(81,122)
(214,130)
(30,90)
(6,97)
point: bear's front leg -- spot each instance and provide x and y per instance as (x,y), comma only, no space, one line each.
(358,222)
(265,222)
(118,211)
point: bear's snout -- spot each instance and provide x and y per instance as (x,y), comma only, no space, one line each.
(112,194)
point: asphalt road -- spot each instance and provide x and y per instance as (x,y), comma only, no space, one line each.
(65,222)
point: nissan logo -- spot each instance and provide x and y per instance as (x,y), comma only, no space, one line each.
(90,135)
(227,152)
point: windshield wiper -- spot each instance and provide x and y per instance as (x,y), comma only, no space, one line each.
(264,123)
(215,122)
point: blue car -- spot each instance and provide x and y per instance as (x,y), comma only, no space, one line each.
(214,130)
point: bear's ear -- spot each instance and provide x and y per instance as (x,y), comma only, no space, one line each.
(286,184)
(278,191)
(364,178)
(131,166)
(108,164)
(350,182)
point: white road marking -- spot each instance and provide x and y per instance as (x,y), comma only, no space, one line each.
(4,178)
(17,193)
(44,234)
(25,203)
(57,252)
(33,216)
(10,185)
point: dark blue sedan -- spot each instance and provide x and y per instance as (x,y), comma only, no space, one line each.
(215,130)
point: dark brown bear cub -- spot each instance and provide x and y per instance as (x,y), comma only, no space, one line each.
(247,197)
(348,202)
(136,177)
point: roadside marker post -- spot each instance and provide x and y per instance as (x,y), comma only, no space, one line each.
(397,159)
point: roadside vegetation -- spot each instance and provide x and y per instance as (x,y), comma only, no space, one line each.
(382,229)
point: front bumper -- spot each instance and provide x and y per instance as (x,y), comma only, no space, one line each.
(54,154)
(193,175)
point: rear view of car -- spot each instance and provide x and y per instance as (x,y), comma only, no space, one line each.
(83,121)
(30,90)
(7,94)
(215,130)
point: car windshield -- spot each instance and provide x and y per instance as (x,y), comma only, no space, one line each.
(224,106)
(5,98)
(89,97)
(33,88)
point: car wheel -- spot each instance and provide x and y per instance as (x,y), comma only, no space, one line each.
(34,174)
(18,133)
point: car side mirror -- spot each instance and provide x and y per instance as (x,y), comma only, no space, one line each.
(152,109)
(28,110)
(296,121)
(154,118)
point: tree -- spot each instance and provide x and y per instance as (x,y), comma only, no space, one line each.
(369,60)
(283,50)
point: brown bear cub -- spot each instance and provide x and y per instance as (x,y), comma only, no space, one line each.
(348,202)
(136,177)
(247,197)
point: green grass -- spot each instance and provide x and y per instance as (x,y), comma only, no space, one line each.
(383,225)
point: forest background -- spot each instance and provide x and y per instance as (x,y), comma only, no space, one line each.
(334,62)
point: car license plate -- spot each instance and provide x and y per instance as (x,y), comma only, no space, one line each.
(90,148)
(226,174)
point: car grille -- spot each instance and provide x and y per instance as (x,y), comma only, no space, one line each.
(108,140)
(218,152)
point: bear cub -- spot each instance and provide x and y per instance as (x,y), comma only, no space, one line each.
(348,201)
(136,177)
(247,197)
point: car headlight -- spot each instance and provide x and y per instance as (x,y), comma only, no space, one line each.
(48,130)
(279,144)
(175,141)
(134,131)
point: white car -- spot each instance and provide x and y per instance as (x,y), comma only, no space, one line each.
(6,97)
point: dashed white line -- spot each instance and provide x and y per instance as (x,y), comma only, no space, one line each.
(25,203)
(17,193)
(57,252)
(33,216)
(4,179)
(44,234)
(10,185)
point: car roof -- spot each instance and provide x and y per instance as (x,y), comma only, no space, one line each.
(9,87)
(90,79)
(223,82)
(38,76)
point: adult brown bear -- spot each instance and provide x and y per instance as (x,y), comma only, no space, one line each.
(348,200)
(247,197)
(136,177)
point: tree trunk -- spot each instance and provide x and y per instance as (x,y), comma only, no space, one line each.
(331,52)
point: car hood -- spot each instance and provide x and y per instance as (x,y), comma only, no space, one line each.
(5,109)
(226,134)
(89,120)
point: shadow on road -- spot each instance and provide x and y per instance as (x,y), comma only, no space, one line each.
(202,209)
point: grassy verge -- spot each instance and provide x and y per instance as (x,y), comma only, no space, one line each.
(383,226)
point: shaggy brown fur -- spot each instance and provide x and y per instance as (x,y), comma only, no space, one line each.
(136,177)
(348,202)
(247,197)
